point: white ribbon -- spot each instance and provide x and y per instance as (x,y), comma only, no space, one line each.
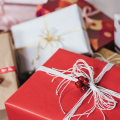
(103,99)
(108,60)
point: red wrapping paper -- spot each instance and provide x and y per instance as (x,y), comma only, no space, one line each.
(37,99)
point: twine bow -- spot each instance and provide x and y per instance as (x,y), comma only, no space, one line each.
(108,60)
(7,20)
(46,39)
(103,99)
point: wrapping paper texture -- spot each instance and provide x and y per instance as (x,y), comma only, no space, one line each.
(43,103)
(10,82)
(57,23)
(107,53)
(3,115)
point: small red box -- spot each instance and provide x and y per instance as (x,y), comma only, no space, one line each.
(37,99)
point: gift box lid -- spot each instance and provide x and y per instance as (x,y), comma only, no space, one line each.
(34,2)
(37,98)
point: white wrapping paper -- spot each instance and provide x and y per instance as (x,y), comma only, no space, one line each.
(35,2)
(109,7)
(117,31)
(58,22)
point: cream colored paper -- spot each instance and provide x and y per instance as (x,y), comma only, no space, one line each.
(10,82)
(58,22)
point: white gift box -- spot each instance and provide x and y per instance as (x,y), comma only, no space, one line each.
(67,22)
(117,32)
(35,2)
(109,7)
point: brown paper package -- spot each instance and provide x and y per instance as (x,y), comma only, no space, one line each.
(10,81)
(107,53)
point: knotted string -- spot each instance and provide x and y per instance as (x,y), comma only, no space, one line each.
(108,60)
(103,99)
(46,39)
(7,20)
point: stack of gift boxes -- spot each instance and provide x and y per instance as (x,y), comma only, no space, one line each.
(65,55)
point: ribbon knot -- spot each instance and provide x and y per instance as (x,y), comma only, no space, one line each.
(93,87)
(103,97)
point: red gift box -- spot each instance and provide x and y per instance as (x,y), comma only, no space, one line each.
(37,99)
(101,31)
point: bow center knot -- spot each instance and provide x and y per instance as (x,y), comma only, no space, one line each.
(93,86)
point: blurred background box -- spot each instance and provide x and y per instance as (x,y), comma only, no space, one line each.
(35,2)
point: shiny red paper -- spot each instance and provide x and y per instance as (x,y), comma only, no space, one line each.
(37,99)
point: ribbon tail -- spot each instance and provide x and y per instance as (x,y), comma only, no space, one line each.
(107,91)
(77,105)
(51,48)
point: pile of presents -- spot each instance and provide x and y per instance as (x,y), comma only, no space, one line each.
(59,60)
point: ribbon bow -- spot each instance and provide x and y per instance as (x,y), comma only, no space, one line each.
(7,20)
(108,60)
(86,12)
(103,99)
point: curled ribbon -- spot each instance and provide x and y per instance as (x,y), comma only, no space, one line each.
(108,60)
(103,99)
(86,12)
(47,39)
(7,20)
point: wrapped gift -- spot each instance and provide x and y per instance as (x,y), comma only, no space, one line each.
(36,40)
(107,56)
(100,28)
(41,102)
(117,32)
(113,6)
(8,76)
(35,2)
(11,14)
